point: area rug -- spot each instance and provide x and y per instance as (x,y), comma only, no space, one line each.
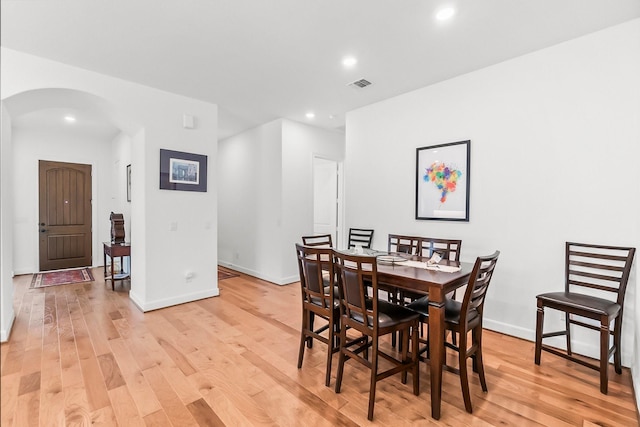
(62,277)
(225,274)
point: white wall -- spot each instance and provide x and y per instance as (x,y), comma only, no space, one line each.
(29,146)
(249,203)
(554,153)
(266,195)
(7,315)
(160,257)
(300,143)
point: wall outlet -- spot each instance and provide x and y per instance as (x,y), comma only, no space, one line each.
(188,276)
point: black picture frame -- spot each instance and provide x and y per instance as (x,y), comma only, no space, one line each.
(183,171)
(128,183)
(443,179)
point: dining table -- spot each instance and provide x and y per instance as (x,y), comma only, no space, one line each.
(436,280)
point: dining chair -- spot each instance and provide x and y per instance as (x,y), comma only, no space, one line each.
(323,240)
(464,317)
(318,300)
(591,273)
(446,248)
(373,318)
(360,236)
(399,244)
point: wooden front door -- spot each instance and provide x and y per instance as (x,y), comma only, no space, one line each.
(65,215)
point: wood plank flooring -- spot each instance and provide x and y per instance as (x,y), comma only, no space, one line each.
(82,355)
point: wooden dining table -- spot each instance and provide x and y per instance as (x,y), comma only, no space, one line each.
(437,284)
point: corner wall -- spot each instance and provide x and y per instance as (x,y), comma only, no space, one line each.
(266,195)
(162,255)
(554,153)
(7,315)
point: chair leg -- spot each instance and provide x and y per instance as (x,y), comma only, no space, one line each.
(341,358)
(374,374)
(604,355)
(539,325)
(404,352)
(617,356)
(478,363)
(311,318)
(567,320)
(464,376)
(414,359)
(303,337)
(330,343)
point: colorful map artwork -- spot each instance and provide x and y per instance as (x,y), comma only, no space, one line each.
(443,177)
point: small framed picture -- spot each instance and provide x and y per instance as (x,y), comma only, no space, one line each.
(183,171)
(442,181)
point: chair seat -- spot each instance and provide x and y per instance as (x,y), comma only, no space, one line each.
(318,301)
(451,309)
(389,314)
(581,302)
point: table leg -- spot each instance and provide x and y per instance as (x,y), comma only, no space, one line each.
(436,351)
(113,286)
(104,266)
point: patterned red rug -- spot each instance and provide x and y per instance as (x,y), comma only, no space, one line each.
(63,277)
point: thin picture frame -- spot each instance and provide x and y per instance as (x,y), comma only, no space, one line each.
(443,179)
(128,183)
(183,171)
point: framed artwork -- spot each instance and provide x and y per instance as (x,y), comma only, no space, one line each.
(128,183)
(183,171)
(442,181)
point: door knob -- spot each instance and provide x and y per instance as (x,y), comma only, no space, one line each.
(43,230)
(42,224)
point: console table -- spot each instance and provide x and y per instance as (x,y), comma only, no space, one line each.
(115,250)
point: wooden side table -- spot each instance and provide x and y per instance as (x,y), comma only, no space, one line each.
(116,250)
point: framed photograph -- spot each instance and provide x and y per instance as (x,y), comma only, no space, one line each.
(442,181)
(128,183)
(183,171)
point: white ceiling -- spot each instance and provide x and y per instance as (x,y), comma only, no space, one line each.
(260,60)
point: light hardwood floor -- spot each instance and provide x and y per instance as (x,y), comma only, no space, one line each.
(82,354)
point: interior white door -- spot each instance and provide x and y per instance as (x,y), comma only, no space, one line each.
(325,197)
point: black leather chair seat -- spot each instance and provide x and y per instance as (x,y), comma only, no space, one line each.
(451,309)
(582,302)
(318,301)
(389,314)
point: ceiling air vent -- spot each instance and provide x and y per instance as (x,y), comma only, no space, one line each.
(360,84)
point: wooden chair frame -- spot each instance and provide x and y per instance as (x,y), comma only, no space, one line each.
(373,319)
(360,236)
(322,240)
(594,269)
(318,300)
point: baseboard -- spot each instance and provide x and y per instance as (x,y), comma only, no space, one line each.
(6,333)
(168,302)
(281,281)
(636,397)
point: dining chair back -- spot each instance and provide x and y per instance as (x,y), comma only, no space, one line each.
(323,240)
(318,300)
(596,279)
(464,317)
(403,244)
(447,248)
(373,318)
(360,236)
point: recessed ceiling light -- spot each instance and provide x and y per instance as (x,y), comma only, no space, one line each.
(69,119)
(310,115)
(349,62)
(445,13)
